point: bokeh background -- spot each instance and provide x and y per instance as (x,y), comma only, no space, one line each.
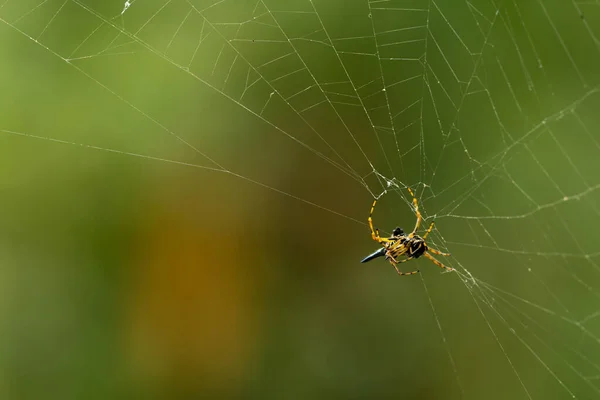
(171,227)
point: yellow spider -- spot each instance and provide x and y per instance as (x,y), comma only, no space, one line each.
(400,244)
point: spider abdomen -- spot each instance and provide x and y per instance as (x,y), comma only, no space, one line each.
(416,247)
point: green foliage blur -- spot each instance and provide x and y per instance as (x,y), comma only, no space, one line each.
(165,235)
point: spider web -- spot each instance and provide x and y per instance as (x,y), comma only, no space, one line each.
(487,109)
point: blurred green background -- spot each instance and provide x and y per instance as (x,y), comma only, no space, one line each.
(184,191)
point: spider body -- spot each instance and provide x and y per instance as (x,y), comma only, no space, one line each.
(416,246)
(401,244)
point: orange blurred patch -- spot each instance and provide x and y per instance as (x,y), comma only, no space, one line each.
(192,311)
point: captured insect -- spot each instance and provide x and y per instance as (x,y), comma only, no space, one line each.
(401,244)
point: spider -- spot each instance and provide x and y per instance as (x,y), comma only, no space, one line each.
(399,244)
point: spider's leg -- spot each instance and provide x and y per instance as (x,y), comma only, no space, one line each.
(404,273)
(436,262)
(374,232)
(434,251)
(428,230)
(416,204)
(396,250)
(391,258)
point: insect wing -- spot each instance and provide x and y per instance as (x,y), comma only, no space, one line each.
(378,253)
